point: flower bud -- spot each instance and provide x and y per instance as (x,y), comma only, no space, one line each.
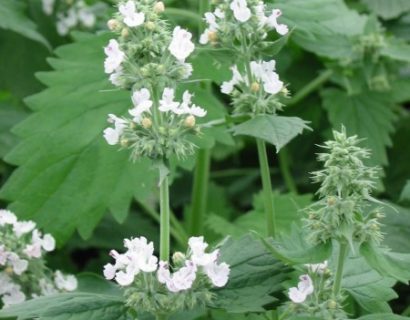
(178,258)
(146,123)
(255,87)
(159,7)
(124,143)
(125,33)
(150,25)
(212,36)
(161,69)
(331,201)
(9,271)
(112,24)
(162,130)
(332,304)
(145,72)
(285,91)
(190,121)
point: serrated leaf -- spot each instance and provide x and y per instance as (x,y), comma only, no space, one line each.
(255,277)
(388,9)
(405,194)
(396,227)
(273,129)
(13,18)
(68,177)
(9,116)
(383,316)
(368,114)
(397,50)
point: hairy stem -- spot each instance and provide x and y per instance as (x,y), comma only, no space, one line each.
(310,87)
(200,192)
(285,170)
(343,251)
(165,220)
(267,188)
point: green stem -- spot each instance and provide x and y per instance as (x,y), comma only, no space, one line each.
(310,87)
(161,317)
(267,188)
(285,170)
(200,192)
(343,251)
(165,218)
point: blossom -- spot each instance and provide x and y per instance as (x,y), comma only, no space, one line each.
(13,296)
(305,288)
(199,257)
(240,10)
(65,283)
(271,21)
(265,72)
(218,273)
(48,6)
(114,56)
(142,103)
(181,45)
(115,77)
(179,280)
(23,227)
(66,22)
(86,17)
(3,255)
(7,217)
(19,265)
(132,18)
(187,70)
(112,135)
(228,86)
(319,268)
(38,242)
(167,102)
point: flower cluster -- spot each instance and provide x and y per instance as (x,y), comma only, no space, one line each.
(303,290)
(248,21)
(146,51)
(71,14)
(257,91)
(23,274)
(346,184)
(146,136)
(154,286)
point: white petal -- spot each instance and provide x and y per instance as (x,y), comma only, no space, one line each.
(49,243)
(124,279)
(296,296)
(218,273)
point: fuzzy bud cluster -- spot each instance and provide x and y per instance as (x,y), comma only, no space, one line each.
(256,90)
(23,274)
(72,14)
(247,21)
(156,286)
(146,136)
(346,184)
(146,51)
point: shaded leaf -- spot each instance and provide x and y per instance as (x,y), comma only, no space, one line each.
(388,9)
(397,50)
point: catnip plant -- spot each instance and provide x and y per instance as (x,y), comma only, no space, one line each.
(23,272)
(150,60)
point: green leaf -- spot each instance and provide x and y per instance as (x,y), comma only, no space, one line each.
(370,290)
(396,227)
(273,129)
(388,9)
(13,18)
(397,50)
(395,265)
(255,276)
(67,176)
(383,316)
(405,194)
(73,306)
(368,114)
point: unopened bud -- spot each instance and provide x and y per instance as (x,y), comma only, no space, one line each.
(178,258)
(332,304)
(112,24)
(255,87)
(190,121)
(380,215)
(9,271)
(162,130)
(145,71)
(331,201)
(312,216)
(125,33)
(124,143)
(161,69)
(374,227)
(146,123)
(150,25)
(285,91)
(159,7)
(212,36)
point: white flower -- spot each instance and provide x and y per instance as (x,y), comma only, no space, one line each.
(167,102)
(19,265)
(240,10)
(183,278)
(199,257)
(142,103)
(23,227)
(6,283)
(141,254)
(305,287)
(48,6)
(163,274)
(187,72)
(86,17)
(228,86)
(7,217)
(46,287)
(3,255)
(66,22)
(282,29)
(112,135)
(213,26)
(114,56)
(115,77)
(38,242)
(132,18)
(265,72)
(65,283)
(13,296)
(218,273)
(109,271)
(319,268)
(181,45)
